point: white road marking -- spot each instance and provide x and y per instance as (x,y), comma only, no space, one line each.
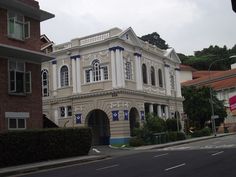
(177,166)
(160,155)
(96,150)
(217,153)
(104,168)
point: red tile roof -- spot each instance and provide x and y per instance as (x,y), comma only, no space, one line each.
(218,80)
(186,68)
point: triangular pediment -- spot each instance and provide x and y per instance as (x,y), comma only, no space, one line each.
(172,55)
(130,37)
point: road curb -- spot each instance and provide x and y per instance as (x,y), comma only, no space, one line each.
(21,169)
(160,146)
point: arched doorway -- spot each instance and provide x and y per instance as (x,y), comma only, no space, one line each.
(98,121)
(133,120)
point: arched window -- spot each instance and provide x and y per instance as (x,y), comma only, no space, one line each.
(64,76)
(45,84)
(160,78)
(153,78)
(144,71)
(96,71)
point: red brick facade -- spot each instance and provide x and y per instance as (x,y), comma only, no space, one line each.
(31,102)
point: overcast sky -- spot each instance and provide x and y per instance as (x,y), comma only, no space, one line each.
(186,25)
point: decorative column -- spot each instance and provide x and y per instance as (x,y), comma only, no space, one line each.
(73,61)
(178,86)
(151,108)
(113,67)
(54,77)
(138,71)
(166,112)
(118,68)
(159,110)
(167,79)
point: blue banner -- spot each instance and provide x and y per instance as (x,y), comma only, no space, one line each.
(78,118)
(126,115)
(142,115)
(115,115)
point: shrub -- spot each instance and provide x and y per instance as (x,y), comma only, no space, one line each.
(175,136)
(135,141)
(203,132)
(171,125)
(20,147)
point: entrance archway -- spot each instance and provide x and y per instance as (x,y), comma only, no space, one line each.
(98,121)
(133,120)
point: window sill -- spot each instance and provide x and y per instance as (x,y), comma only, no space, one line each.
(17,94)
(15,39)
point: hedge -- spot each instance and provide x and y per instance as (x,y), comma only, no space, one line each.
(203,132)
(21,147)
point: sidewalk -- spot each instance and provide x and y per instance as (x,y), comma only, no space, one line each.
(21,169)
(158,146)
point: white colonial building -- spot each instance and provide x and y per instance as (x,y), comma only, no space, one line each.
(109,81)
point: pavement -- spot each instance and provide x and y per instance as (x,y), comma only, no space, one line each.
(94,155)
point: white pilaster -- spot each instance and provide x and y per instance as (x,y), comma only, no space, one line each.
(54,78)
(118,68)
(138,72)
(159,110)
(56,116)
(113,68)
(122,69)
(74,75)
(178,86)
(78,73)
(167,80)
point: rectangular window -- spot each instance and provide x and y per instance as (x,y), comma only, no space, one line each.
(87,75)
(62,111)
(105,73)
(19,80)
(16,123)
(69,110)
(17,27)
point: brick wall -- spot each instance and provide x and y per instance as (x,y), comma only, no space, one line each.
(31,103)
(33,43)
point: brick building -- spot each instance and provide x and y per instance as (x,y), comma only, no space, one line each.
(20,63)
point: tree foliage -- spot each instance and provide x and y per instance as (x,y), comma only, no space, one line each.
(202,59)
(197,105)
(155,39)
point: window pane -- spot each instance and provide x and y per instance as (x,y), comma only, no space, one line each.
(19,82)
(87,75)
(12,123)
(12,81)
(21,123)
(69,110)
(105,72)
(28,82)
(62,109)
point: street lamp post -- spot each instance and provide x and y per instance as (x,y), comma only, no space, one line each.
(213,116)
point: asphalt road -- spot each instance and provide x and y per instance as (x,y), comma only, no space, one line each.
(212,158)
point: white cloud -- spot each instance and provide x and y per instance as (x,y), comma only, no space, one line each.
(187,25)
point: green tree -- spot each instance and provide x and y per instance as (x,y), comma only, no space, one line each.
(197,105)
(155,39)
(202,59)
